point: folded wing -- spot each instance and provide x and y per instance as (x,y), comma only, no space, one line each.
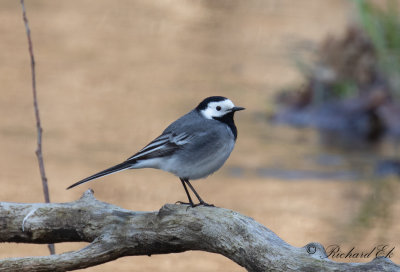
(164,145)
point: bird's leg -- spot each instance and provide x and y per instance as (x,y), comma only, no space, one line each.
(187,193)
(202,202)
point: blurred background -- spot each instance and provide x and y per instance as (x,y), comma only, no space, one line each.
(317,152)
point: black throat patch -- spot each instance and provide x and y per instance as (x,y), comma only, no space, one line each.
(228,120)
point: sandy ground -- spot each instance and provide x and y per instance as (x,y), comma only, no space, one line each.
(112,75)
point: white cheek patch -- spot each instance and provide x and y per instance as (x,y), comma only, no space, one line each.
(211,110)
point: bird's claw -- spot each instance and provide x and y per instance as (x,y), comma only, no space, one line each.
(184,203)
(195,205)
(204,204)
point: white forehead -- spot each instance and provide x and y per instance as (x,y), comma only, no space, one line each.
(224,104)
(211,110)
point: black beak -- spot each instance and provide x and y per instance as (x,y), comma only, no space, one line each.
(237,109)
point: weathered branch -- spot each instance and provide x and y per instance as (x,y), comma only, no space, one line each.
(114,232)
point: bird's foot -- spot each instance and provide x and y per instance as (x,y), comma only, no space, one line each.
(202,203)
(195,205)
(189,204)
(184,203)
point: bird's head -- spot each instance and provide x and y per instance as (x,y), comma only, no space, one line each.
(215,107)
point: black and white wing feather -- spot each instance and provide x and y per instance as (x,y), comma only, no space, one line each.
(164,145)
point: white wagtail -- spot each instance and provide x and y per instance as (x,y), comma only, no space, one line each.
(193,147)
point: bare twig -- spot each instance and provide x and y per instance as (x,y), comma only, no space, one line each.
(114,232)
(38,124)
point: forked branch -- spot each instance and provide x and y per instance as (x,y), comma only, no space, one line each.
(114,232)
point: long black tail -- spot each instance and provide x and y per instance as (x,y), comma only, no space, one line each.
(111,170)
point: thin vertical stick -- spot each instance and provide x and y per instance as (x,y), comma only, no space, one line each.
(36,108)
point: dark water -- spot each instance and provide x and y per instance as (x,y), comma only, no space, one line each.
(308,154)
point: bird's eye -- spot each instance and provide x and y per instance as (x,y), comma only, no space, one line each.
(218,108)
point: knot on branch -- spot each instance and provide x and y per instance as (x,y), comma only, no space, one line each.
(316,250)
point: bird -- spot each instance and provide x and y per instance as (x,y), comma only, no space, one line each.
(192,147)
